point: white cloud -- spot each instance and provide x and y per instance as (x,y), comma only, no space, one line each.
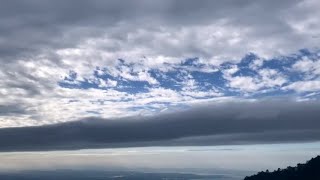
(304,86)
(107,83)
(266,78)
(202,94)
(311,68)
(271,78)
(256,64)
(230,71)
(244,83)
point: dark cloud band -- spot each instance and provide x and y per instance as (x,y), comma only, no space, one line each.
(225,123)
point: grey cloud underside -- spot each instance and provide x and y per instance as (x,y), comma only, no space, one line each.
(226,123)
(33,27)
(12,109)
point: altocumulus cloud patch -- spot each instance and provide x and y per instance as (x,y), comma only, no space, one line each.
(65,61)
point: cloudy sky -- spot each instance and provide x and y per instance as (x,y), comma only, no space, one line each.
(105,74)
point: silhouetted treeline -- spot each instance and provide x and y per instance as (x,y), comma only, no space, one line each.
(307,171)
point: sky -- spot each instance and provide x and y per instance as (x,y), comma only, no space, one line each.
(173,73)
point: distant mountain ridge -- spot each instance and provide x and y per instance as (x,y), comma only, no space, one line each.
(308,171)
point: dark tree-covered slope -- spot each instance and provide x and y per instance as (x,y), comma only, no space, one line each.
(308,171)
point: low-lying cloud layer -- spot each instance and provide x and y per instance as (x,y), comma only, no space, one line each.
(269,121)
